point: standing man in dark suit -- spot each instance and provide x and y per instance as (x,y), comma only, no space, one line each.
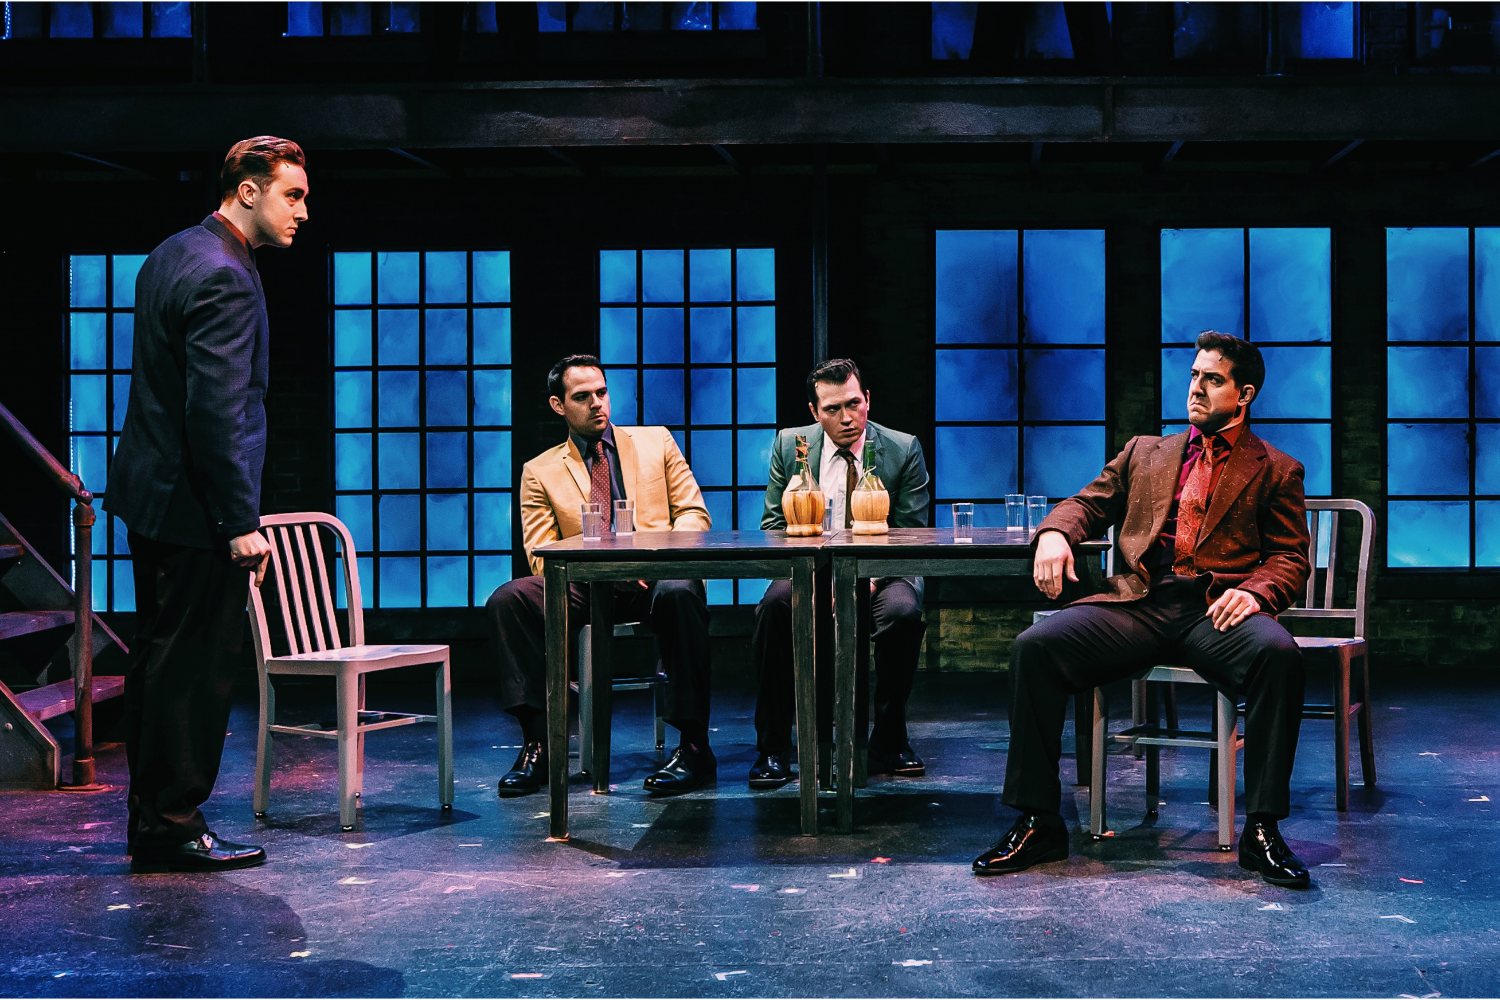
(186,482)
(1213,533)
(837,447)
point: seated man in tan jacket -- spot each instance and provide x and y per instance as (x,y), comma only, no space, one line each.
(602,463)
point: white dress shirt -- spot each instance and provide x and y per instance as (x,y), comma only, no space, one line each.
(832,471)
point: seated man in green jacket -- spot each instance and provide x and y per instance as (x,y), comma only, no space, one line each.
(838,446)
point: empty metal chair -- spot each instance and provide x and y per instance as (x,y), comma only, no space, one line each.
(299,572)
(656,682)
(1321,604)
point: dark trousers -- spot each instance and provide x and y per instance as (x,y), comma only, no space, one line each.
(1089,645)
(892,616)
(676,610)
(190,622)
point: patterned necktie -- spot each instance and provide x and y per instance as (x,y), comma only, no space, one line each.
(848,458)
(599,483)
(1193,505)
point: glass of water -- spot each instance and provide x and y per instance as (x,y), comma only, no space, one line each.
(624,517)
(828,519)
(1015,511)
(593,522)
(963,522)
(1036,512)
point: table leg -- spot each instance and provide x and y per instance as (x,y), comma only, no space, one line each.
(556,617)
(601,642)
(803,623)
(845,631)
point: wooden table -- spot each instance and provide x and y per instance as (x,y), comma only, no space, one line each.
(924,552)
(668,555)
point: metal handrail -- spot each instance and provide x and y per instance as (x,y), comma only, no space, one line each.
(83,589)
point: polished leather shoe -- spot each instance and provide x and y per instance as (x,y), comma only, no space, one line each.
(527,774)
(689,768)
(206,853)
(1031,840)
(1262,850)
(771,770)
(904,763)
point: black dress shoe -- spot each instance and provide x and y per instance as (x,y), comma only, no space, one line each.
(904,763)
(527,774)
(206,853)
(771,770)
(689,768)
(1032,840)
(1262,850)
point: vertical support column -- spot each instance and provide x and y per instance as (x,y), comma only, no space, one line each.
(83,644)
(601,648)
(820,253)
(845,639)
(1229,737)
(803,623)
(555,575)
(1341,728)
(1097,775)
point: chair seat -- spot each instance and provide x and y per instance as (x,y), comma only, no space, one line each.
(366,657)
(1325,642)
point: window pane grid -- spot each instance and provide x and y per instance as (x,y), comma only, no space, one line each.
(422,418)
(1442,377)
(687,338)
(1020,325)
(98,333)
(1272,287)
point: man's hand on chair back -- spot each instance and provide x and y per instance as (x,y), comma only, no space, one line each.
(251,550)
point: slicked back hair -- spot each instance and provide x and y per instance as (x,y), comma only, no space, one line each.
(555,376)
(1246,366)
(256,160)
(834,371)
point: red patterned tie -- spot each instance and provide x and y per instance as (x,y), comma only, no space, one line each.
(1193,505)
(599,483)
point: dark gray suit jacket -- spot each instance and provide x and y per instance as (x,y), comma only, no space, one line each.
(188,466)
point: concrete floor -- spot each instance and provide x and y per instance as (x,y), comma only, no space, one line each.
(715,894)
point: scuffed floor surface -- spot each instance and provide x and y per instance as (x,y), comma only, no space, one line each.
(715,894)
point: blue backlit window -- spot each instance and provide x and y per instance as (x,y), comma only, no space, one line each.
(1319,30)
(95,20)
(610,17)
(100,332)
(1272,287)
(1443,397)
(421,416)
(1020,366)
(1044,33)
(688,341)
(314,19)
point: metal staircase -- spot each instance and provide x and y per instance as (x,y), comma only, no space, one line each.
(39,614)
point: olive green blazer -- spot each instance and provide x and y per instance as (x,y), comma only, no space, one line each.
(897,459)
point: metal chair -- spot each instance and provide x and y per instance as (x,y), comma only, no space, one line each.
(656,683)
(1322,606)
(300,573)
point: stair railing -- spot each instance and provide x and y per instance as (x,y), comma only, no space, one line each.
(83,590)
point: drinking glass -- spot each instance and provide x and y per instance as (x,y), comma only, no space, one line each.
(1036,512)
(624,517)
(828,519)
(1015,511)
(593,522)
(963,522)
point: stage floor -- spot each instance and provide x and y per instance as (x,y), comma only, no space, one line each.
(715,893)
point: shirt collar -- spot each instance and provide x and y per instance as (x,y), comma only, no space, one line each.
(585,445)
(233,230)
(1231,436)
(857,448)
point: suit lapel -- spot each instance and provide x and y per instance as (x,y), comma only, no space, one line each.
(1243,465)
(625,445)
(814,435)
(877,443)
(1166,467)
(573,459)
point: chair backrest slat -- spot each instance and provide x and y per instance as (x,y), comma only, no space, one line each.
(1333,557)
(315,539)
(306,535)
(1313,523)
(302,644)
(283,601)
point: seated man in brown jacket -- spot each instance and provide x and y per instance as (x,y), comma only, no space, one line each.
(1213,533)
(601,463)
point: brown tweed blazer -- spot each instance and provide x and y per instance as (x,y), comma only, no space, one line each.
(1254,536)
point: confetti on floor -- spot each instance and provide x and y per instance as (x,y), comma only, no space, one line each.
(299,954)
(1412,881)
(851,873)
(747,888)
(909,963)
(351,880)
(118,906)
(1397,916)
(356,847)
(722,976)
(1272,906)
(880,861)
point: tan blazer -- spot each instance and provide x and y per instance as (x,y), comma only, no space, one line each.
(656,476)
